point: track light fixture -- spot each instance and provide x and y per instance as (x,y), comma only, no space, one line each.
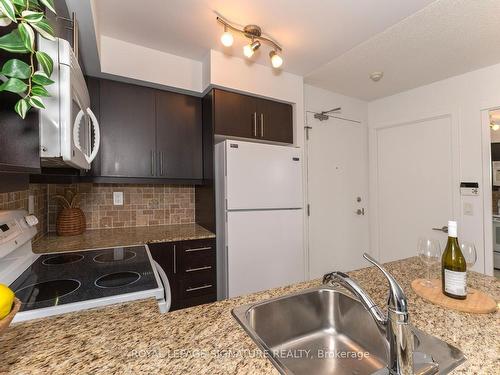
(250,48)
(254,33)
(227,38)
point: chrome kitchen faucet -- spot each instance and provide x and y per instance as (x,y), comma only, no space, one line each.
(395,324)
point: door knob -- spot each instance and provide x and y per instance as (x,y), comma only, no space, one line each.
(442,229)
(360,211)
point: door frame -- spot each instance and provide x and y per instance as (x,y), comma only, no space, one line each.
(374,169)
(487,190)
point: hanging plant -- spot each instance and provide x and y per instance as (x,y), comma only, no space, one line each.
(19,77)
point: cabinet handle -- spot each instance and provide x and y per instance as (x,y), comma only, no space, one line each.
(161,162)
(199,288)
(175,259)
(199,269)
(152,163)
(199,249)
(255,124)
(262,125)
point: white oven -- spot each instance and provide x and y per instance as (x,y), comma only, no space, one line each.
(496,241)
(56,283)
(69,131)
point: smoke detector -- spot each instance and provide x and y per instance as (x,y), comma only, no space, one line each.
(376,76)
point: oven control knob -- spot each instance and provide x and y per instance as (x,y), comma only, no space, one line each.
(31,220)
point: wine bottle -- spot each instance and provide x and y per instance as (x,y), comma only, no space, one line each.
(453,266)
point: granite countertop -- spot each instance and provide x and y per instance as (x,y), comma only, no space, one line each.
(134,338)
(103,238)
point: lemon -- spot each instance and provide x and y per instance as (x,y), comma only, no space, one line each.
(6,300)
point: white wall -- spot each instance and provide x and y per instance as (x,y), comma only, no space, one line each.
(133,61)
(464,97)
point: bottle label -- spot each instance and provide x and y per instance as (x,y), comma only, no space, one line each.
(455,282)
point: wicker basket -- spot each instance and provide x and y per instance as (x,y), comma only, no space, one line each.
(70,222)
(5,322)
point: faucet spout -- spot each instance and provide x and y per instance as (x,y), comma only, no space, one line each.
(396,322)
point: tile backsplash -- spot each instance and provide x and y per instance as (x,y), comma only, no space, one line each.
(143,205)
(496,198)
(19,200)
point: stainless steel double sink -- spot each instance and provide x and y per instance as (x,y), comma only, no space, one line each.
(326,331)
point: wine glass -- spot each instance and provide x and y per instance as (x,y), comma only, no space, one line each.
(429,252)
(470,254)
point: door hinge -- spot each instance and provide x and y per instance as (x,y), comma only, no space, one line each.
(307,132)
(308,209)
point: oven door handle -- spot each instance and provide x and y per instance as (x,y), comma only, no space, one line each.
(167,293)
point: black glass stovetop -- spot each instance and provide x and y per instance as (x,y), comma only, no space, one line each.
(57,279)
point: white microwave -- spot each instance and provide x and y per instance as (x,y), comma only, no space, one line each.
(495,174)
(69,131)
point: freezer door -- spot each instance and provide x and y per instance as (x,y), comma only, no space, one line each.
(261,176)
(264,250)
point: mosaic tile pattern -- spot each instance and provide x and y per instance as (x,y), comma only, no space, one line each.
(143,205)
(17,200)
(494,201)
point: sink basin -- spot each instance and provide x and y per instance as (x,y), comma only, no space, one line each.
(326,331)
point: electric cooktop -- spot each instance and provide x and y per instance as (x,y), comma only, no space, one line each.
(65,278)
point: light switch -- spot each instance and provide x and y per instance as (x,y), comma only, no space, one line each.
(118,198)
(468,209)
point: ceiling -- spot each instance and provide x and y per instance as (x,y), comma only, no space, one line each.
(312,32)
(447,38)
(334,44)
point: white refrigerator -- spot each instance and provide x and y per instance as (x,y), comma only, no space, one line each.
(259,200)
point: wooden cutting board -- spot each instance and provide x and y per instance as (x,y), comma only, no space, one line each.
(476,303)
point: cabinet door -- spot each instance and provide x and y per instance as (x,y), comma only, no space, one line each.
(275,121)
(19,139)
(127,130)
(235,114)
(179,136)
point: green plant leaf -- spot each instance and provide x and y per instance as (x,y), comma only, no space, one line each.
(39,91)
(49,4)
(21,3)
(21,107)
(16,68)
(7,8)
(14,85)
(4,20)
(45,30)
(45,62)
(12,42)
(27,35)
(32,17)
(41,78)
(36,102)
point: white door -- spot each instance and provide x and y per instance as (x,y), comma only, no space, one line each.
(263,176)
(337,177)
(415,184)
(264,250)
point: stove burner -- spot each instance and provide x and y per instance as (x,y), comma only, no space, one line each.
(62,259)
(47,291)
(114,255)
(118,279)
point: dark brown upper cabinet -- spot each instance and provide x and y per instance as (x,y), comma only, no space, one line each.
(245,116)
(127,122)
(147,133)
(19,139)
(179,136)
